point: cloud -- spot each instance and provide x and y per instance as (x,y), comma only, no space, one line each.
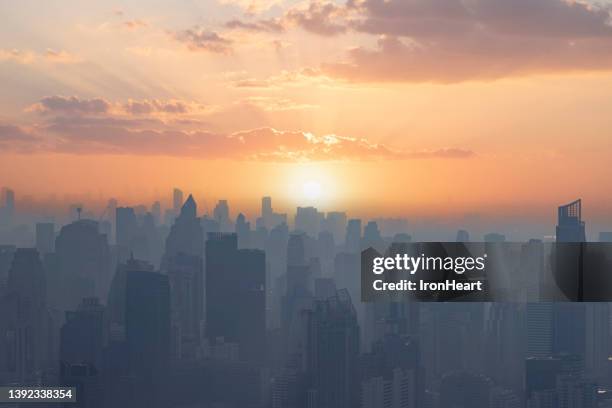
(71,105)
(273,104)
(475,58)
(152,106)
(264,25)
(135,24)
(197,39)
(253,6)
(166,127)
(101,136)
(30,57)
(459,40)
(75,106)
(319,17)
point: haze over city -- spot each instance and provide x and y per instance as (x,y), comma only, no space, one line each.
(404,109)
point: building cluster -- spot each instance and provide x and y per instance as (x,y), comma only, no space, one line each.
(191,310)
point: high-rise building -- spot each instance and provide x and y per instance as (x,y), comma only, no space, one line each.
(335,223)
(308,220)
(24,332)
(539,324)
(127,226)
(235,295)
(243,230)
(84,258)
(45,237)
(570,227)
(221,215)
(332,353)
(82,335)
(186,276)
(186,234)
(353,236)
(177,200)
(147,323)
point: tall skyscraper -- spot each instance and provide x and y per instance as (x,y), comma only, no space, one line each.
(177,200)
(186,276)
(235,295)
(332,352)
(186,234)
(539,323)
(24,334)
(84,259)
(221,215)
(147,322)
(570,227)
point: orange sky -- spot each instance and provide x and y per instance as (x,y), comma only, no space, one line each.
(396,108)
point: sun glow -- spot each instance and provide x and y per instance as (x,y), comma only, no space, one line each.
(312,190)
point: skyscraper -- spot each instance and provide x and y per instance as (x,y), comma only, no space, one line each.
(353,236)
(45,237)
(332,351)
(570,227)
(186,234)
(147,322)
(221,215)
(235,295)
(84,258)
(23,319)
(177,200)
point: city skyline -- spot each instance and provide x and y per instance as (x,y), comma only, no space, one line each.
(128,100)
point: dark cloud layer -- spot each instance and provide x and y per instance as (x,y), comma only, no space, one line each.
(458,40)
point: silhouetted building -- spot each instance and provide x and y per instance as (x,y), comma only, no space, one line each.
(243,230)
(24,322)
(82,336)
(235,295)
(186,234)
(177,200)
(84,261)
(570,227)
(332,353)
(45,237)
(221,215)
(147,323)
(186,276)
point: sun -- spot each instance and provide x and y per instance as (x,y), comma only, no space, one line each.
(312,190)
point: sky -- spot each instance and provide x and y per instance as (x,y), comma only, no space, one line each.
(399,108)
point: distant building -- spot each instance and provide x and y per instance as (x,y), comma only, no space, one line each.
(235,295)
(84,259)
(570,227)
(353,236)
(332,353)
(494,237)
(605,236)
(462,236)
(45,237)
